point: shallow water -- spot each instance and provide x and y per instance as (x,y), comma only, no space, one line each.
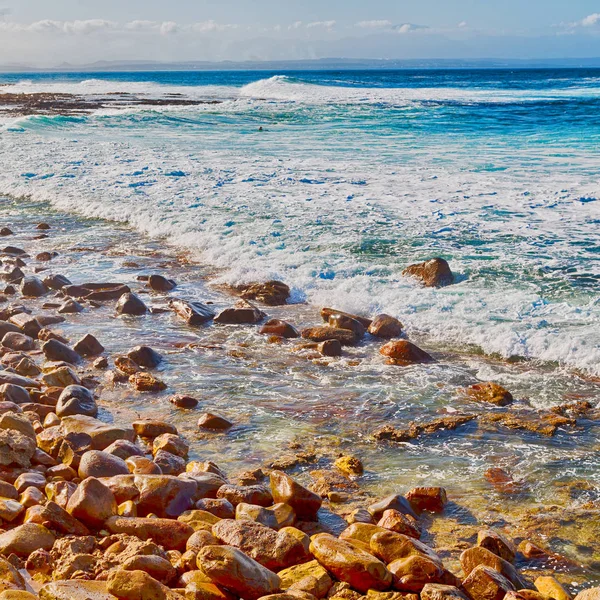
(283,401)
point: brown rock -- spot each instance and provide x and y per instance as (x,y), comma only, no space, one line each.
(272,293)
(168,533)
(183,401)
(250,494)
(390,546)
(88,345)
(220,507)
(16,448)
(432,499)
(497,543)
(57,351)
(330,348)
(193,313)
(76,400)
(55,518)
(92,503)
(141,465)
(145,382)
(279,328)
(432,273)
(403,352)
(157,567)
(384,326)
(308,577)
(342,321)
(33,287)
(491,393)
(242,313)
(145,356)
(284,489)
(347,563)
(549,586)
(18,341)
(149,428)
(212,421)
(95,463)
(400,523)
(26,538)
(395,502)
(130,304)
(327,312)
(172,443)
(439,591)
(101,434)
(589,594)
(345,337)
(160,284)
(229,567)
(350,465)
(486,583)
(75,590)
(412,573)
(473,557)
(169,463)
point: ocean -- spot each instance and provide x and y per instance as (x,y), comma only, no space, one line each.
(334,182)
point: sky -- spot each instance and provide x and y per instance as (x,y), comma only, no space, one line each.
(52,32)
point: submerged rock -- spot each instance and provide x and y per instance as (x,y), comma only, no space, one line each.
(384,326)
(271,293)
(432,273)
(491,393)
(403,352)
(145,356)
(161,284)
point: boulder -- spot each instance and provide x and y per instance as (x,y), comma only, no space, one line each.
(102,434)
(432,499)
(212,421)
(56,282)
(183,401)
(327,312)
(56,518)
(496,542)
(130,304)
(57,351)
(132,584)
(145,382)
(403,352)
(473,557)
(331,348)
(384,326)
(440,591)
(14,393)
(279,328)
(95,463)
(25,539)
(124,449)
(549,586)
(10,579)
(432,273)
(412,573)
(75,590)
(18,342)
(92,503)
(589,594)
(144,356)
(61,377)
(88,345)
(151,428)
(490,393)
(14,379)
(76,400)
(250,494)
(10,509)
(70,307)
(394,520)
(390,546)
(16,448)
(345,322)
(345,337)
(231,568)
(243,313)
(160,284)
(308,577)
(33,287)
(170,534)
(395,502)
(193,313)
(172,443)
(284,489)
(349,564)
(271,293)
(142,465)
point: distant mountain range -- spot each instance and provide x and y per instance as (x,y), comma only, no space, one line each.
(306,65)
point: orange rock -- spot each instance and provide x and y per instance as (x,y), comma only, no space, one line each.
(403,352)
(432,499)
(485,582)
(284,489)
(432,273)
(412,573)
(491,393)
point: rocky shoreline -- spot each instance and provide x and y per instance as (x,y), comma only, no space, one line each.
(96,509)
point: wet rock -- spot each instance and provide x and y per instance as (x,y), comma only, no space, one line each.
(400,523)
(284,489)
(215,422)
(345,337)
(145,382)
(88,345)
(549,586)
(384,326)
(92,503)
(98,292)
(390,546)
(331,348)
(349,564)
(497,543)
(279,328)
(542,423)
(473,557)
(31,478)
(18,342)
(360,515)
(56,282)
(29,325)
(250,494)
(5,231)
(342,321)
(170,534)
(8,491)
(75,590)
(130,304)
(327,312)
(589,594)
(439,591)
(432,499)
(432,273)
(10,510)
(243,313)
(412,573)
(124,449)
(490,393)
(70,307)
(96,463)
(14,393)
(43,226)
(165,495)
(76,400)
(274,550)
(350,465)
(125,365)
(252,512)
(10,579)
(271,293)
(403,352)
(308,577)
(169,442)
(145,356)
(220,507)
(25,539)
(160,284)
(6,327)
(61,378)
(395,502)
(100,363)
(141,465)
(229,567)
(57,351)
(33,287)
(151,428)
(416,430)
(193,313)
(484,582)
(183,401)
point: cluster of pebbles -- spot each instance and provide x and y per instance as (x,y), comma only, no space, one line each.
(91,510)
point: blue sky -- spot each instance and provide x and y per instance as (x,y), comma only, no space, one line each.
(48,32)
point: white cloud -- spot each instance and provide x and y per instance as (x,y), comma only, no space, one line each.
(591,20)
(329,25)
(376,24)
(462,24)
(295,25)
(408,28)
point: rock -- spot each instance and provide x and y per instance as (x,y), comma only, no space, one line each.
(130,304)
(327,312)
(242,313)
(61,378)
(395,502)
(8,491)
(412,573)
(31,478)
(6,231)
(400,523)
(231,568)
(384,326)
(212,421)
(360,515)
(182,401)
(6,377)
(16,448)
(33,287)
(308,577)
(75,590)
(145,382)
(14,393)
(56,282)
(439,591)
(490,393)
(432,273)
(88,345)
(484,582)
(432,499)
(193,313)
(164,495)
(339,321)
(284,489)
(100,363)
(330,348)
(274,550)
(403,352)
(57,351)
(160,284)
(549,586)
(145,356)
(70,307)
(136,584)
(250,494)
(350,465)
(150,428)
(17,595)
(390,546)
(102,434)
(279,328)
(589,594)
(28,324)
(25,539)
(92,503)
(56,518)
(76,400)
(10,578)
(345,337)
(170,534)
(43,226)
(96,463)
(15,422)
(349,564)
(18,342)
(222,508)
(252,512)
(172,443)
(124,449)
(271,293)
(497,543)
(6,327)
(126,365)
(10,509)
